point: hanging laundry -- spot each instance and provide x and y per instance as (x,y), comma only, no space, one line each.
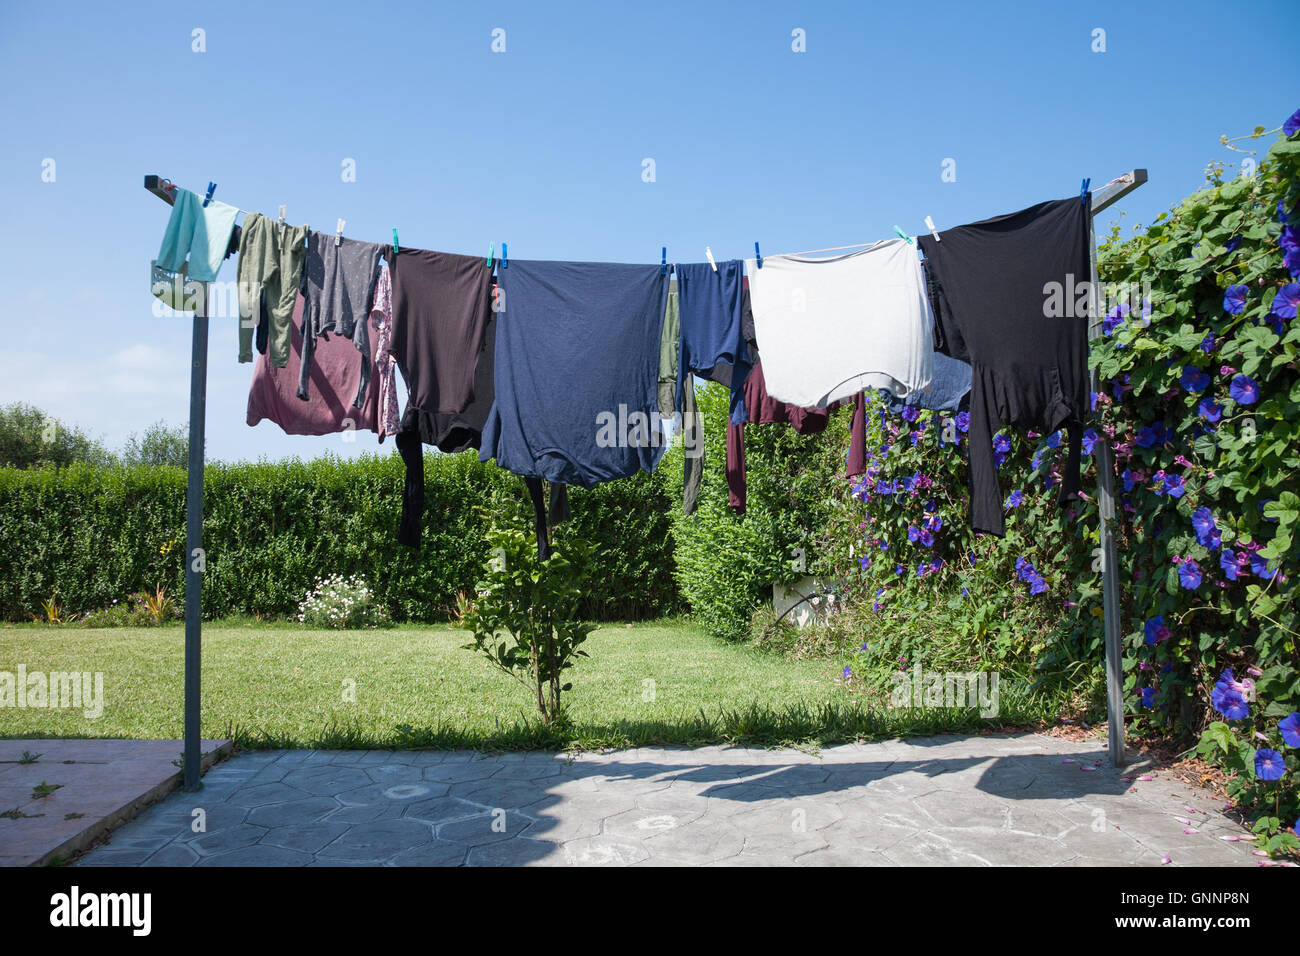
(339,278)
(273,393)
(762,409)
(712,337)
(441,306)
(385,368)
(271,255)
(1029,366)
(449,432)
(441,324)
(948,391)
(832,327)
(577,365)
(197,236)
(692,433)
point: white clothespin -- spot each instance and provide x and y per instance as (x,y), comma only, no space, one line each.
(338,236)
(929,224)
(282,213)
(709,253)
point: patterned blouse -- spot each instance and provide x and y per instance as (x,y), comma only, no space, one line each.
(384,366)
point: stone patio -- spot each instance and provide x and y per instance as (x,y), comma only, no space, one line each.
(971,801)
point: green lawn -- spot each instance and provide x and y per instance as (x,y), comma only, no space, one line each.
(283,685)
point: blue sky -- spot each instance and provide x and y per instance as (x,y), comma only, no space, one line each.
(542,146)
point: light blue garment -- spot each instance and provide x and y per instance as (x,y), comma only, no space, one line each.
(951,382)
(201,233)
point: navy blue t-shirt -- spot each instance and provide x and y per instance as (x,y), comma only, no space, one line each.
(577,371)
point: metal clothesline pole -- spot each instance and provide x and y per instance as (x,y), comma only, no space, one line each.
(194,559)
(1102,198)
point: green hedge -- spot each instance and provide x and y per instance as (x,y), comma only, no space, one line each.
(91,535)
(726,564)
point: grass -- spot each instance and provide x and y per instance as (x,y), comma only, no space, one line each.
(282,685)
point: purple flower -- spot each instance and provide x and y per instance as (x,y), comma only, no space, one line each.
(1156,631)
(864,563)
(1290,728)
(1189,575)
(899,569)
(1015,499)
(963,422)
(927,538)
(1232,244)
(1207,343)
(1113,320)
(911,414)
(934,522)
(1130,479)
(1151,436)
(913,532)
(1174,486)
(1193,379)
(1210,410)
(1207,532)
(1037,585)
(1244,390)
(846,674)
(1089,440)
(1286,300)
(1229,697)
(1148,697)
(1291,125)
(1234,300)
(1054,440)
(1269,764)
(1259,566)
(1228,564)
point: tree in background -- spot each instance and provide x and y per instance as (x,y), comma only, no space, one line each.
(30,437)
(159,445)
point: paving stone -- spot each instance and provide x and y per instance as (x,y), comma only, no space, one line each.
(263,794)
(228,838)
(489,828)
(392,793)
(434,853)
(598,851)
(309,838)
(442,810)
(258,856)
(294,812)
(175,854)
(327,780)
(377,842)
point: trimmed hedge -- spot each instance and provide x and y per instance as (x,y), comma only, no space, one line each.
(92,535)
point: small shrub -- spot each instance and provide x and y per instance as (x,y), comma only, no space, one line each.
(342,603)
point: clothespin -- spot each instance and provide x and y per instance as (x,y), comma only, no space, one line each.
(338,236)
(929,224)
(663,261)
(504,261)
(395,250)
(758,256)
(282,213)
(1083,191)
(709,254)
(212,187)
(491,250)
(903,234)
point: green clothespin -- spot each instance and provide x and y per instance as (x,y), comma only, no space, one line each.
(491,249)
(395,250)
(903,234)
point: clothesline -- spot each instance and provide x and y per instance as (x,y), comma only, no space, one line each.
(167,187)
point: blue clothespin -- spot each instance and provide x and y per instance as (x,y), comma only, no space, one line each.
(504,261)
(1083,192)
(758,257)
(663,261)
(903,234)
(212,187)
(394,240)
(491,249)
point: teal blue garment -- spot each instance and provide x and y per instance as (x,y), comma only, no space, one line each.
(201,233)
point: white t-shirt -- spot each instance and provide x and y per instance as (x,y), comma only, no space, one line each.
(829,328)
